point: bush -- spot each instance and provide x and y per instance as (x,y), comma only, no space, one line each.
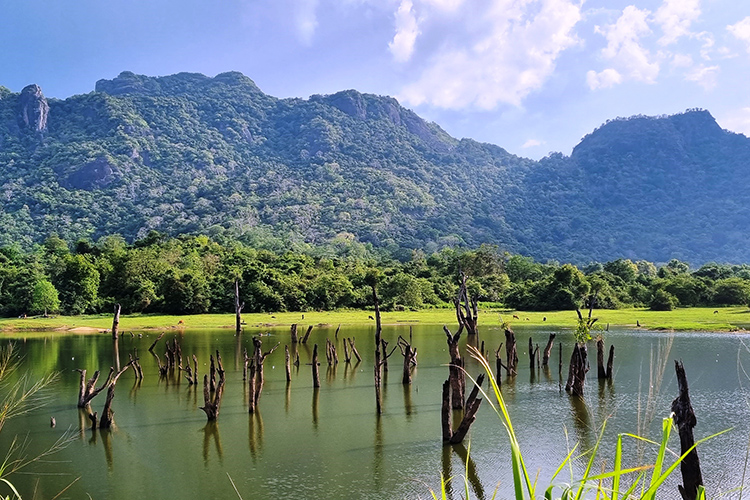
(663,301)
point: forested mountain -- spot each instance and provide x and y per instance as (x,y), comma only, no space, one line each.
(191,154)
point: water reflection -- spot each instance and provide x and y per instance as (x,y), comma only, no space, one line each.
(255,433)
(409,407)
(469,469)
(211,432)
(377,469)
(315,403)
(581,421)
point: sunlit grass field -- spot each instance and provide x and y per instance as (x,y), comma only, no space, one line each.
(704,319)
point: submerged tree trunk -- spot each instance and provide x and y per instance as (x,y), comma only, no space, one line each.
(577,371)
(601,372)
(548,349)
(116,322)
(86,391)
(511,354)
(108,416)
(610,361)
(684,419)
(457,377)
(238,307)
(211,404)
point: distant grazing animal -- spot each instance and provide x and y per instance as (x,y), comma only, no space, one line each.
(544,318)
(370,317)
(716,312)
(180,322)
(527,319)
(274,317)
(515,317)
(637,323)
(303,316)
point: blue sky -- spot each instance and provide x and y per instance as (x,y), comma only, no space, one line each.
(532,76)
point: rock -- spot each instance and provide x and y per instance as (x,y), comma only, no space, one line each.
(93,175)
(33,109)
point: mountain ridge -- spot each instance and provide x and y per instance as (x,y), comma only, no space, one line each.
(188,153)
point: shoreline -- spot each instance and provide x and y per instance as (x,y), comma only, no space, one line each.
(727,319)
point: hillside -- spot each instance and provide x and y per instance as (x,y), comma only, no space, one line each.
(191,154)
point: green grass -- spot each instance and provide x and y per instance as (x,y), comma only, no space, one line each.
(698,318)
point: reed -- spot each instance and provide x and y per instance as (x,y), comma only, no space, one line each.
(608,485)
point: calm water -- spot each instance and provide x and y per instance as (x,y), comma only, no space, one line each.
(326,444)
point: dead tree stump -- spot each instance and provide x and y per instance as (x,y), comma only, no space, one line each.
(294,333)
(259,358)
(610,361)
(108,416)
(212,399)
(472,406)
(116,322)
(548,349)
(409,353)
(467,310)
(315,370)
(601,372)
(684,419)
(287,364)
(86,391)
(511,354)
(577,370)
(151,349)
(533,354)
(499,367)
(353,347)
(238,307)
(457,377)
(307,335)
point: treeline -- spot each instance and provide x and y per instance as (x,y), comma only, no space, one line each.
(194,274)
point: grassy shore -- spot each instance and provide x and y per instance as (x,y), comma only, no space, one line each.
(701,319)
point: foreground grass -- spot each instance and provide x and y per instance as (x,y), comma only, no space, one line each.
(698,318)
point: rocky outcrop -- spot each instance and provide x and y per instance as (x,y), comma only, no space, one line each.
(95,174)
(33,109)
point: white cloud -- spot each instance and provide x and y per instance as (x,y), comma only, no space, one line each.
(741,31)
(675,18)
(532,143)
(305,19)
(682,61)
(604,79)
(705,76)
(736,121)
(624,47)
(445,5)
(407,30)
(498,57)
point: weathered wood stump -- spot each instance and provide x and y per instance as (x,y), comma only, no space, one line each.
(86,391)
(577,370)
(684,419)
(410,359)
(108,416)
(212,399)
(511,354)
(548,349)
(116,322)
(238,307)
(457,377)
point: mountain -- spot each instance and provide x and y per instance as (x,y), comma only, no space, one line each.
(192,154)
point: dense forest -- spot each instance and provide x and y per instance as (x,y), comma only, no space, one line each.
(189,154)
(194,274)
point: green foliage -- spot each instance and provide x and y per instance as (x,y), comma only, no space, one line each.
(44,298)
(663,301)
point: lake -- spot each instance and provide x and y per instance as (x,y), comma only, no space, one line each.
(328,443)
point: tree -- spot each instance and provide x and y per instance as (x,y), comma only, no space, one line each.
(44,298)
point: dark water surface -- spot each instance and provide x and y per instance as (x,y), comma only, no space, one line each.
(327,444)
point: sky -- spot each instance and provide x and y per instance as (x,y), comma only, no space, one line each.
(532,76)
